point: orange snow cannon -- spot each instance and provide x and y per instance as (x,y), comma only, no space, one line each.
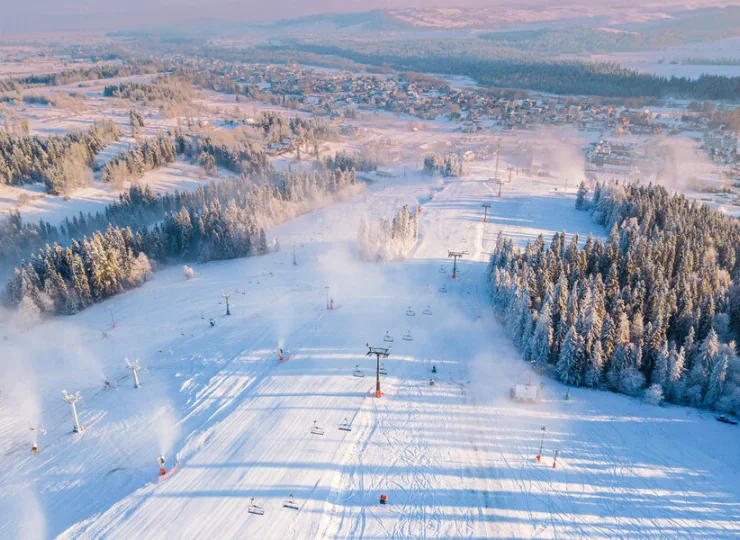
(281,354)
(383,499)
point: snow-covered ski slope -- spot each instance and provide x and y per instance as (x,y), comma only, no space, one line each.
(456,459)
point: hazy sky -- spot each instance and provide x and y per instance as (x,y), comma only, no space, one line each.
(45,15)
(21,16)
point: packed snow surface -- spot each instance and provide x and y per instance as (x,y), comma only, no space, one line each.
(456,459)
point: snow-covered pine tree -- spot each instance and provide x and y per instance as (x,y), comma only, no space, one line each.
(570,359)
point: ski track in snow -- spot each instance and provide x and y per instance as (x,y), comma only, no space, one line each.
(455,459)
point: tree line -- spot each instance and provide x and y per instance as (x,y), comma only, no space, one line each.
(506,67)
(388,239)
(220,221)
(654,309)
(162,89)
(56,160)
(107,71)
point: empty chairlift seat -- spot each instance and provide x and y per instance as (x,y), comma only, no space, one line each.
(255,508)
(316,429)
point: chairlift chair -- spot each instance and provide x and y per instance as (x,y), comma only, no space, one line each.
(388,338)
(316,429)
(443,288)
(442,269)
(428,310)
(408,337)
(344,426)
(383,371)
(290,503)
(358,372)
(255,508)
(410,312)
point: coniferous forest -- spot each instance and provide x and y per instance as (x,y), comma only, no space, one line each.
(654,310)
(218,221)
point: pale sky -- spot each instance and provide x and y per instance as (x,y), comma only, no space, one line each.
(23,16)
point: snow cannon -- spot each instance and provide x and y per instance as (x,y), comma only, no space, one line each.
(35,449)
(431,382)
(281,353)
(383,499)
(162,470)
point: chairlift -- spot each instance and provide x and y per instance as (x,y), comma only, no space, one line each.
(431,382)
(382,370)
(290,503)
(442,269)
(443,288)
(428,310)
(408,337)
(344,426)
(388,338)
(358,372)
(427,289)
(255,508)
(410,312)
(316,429)
(434,369)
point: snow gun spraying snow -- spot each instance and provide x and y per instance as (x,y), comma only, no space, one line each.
(162,470)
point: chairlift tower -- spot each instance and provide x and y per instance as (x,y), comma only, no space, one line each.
(72,399)
(226,297)
(134,367)
(455,255)
(378,352)
(485,207)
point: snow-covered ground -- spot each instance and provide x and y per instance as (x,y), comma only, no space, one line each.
(659,62)
(455,459)
(180,175)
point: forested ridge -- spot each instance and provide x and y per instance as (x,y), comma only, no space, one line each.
(653,310)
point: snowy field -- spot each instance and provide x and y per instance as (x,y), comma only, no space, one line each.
(455,459)
(650,61)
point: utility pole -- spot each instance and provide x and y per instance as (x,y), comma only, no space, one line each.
(539,454)
(485,206)
(134,367)
(112,317)
(377,352)
(72,399)
(226,297)
(455,255)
